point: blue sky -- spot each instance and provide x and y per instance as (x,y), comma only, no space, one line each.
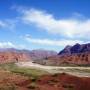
(44,24)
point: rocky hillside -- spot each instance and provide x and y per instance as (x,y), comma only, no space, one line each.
(77,48)
(6,57)
(77,54)
(15,55)
(63,81)
(41,54)
(75,59)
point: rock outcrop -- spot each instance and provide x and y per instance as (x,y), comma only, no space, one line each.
(77,55)
(74,59)
(6,57)
(15,55)
(77,48)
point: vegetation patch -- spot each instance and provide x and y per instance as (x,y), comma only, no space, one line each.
(22,70)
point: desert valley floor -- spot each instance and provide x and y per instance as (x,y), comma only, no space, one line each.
(31,76)
(74,70)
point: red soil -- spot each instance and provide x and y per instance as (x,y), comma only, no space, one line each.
(46,82)
(64,82)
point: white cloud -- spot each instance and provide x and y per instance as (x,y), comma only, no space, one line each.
(49,42)
(10,45)
(71,28)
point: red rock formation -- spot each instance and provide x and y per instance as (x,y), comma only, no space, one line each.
(77,54)
(6,57)
(14,55)
(79,59)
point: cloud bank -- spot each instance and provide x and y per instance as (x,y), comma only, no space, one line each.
(49,42)
(71,28)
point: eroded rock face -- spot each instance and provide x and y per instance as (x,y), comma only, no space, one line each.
(66,50)
(6,57)
(79,59)
(77,48)
(15,55)
(77,54)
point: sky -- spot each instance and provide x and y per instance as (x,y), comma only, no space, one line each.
(44,24)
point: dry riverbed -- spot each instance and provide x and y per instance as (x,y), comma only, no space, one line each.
(78,71)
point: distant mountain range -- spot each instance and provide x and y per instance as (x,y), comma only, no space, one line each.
(15,55)
(79,54)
